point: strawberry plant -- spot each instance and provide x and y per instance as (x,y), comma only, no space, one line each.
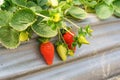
(47,18)
(102,8)
(44,17)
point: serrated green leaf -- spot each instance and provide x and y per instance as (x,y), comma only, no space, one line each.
(76,2)
(89,3)
(36,9)
(9,38)
(41,2)
(108,1)
(21,3)
(6,5)
(22,19)
(5,18)
(43,30)
(116,5)
(31,4)
(12,9)
(77,12)
(117,14)
(104,11)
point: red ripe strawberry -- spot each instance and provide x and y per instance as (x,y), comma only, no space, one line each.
(69,39)
(71,48)
(47,51)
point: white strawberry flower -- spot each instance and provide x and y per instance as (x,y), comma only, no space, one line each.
(1,2)
(53,3)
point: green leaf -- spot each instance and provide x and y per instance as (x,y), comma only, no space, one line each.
(108,1)
(31,4)
(21,3)
(5,18)
(104,11)
(41,2)
(6,5)
(92,3)
(116,5)
(77,12)
(89,3)
(117,14)
(22,19)
(36,9)
(76,2)
(43,30)
(12,9)
(9,38)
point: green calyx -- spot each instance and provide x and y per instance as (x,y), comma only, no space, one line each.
(43,40)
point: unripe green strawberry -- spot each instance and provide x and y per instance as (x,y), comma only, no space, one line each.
(70,52)
(90,30)
(62,51)
(82,40)
(23,36)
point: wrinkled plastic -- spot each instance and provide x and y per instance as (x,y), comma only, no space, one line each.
(98,61)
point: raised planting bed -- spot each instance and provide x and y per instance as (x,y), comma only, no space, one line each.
(99,60)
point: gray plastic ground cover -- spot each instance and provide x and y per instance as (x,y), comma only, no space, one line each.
(99,60)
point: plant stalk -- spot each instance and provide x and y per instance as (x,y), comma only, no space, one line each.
(42,15)
(68,31)
(72,23)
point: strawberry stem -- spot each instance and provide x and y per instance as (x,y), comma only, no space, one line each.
(62,37)
(41,15)
(59,34)
(72,23)
(63,40)
(68,31)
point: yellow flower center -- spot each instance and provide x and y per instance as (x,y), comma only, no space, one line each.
(56,17)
